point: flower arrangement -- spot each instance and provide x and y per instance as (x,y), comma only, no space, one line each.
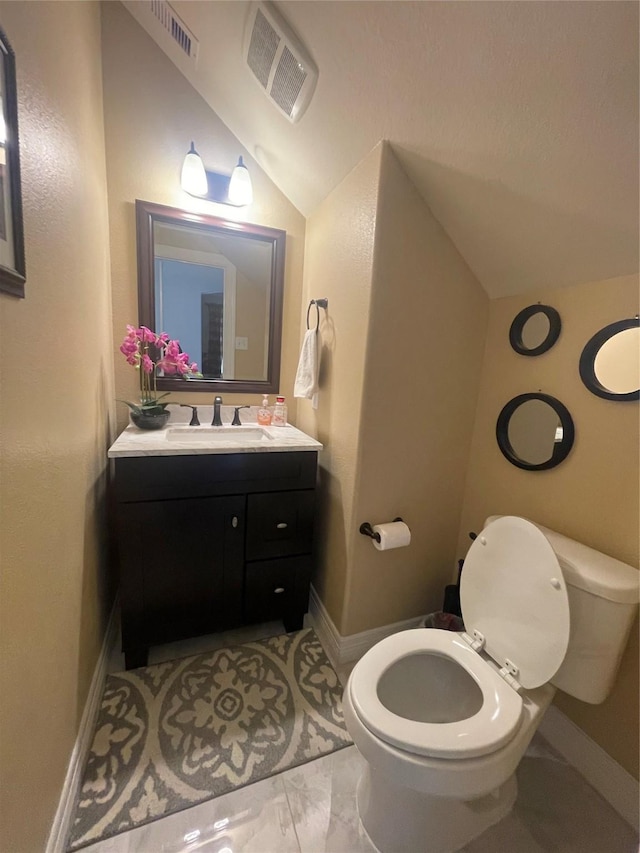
(138,347)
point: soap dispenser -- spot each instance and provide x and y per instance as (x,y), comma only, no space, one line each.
(264,412)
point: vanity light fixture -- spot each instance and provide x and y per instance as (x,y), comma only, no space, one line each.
(213,186)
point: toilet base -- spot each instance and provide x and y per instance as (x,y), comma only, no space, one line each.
(401,820)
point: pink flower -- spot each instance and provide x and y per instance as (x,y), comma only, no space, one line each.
(147,364)
(146,335)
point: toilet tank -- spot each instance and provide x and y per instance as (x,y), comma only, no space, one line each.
(603,599)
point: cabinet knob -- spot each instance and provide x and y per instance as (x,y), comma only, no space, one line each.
(234,521)
(278,590)
(282,525)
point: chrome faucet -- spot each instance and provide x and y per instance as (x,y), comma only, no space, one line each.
(217,420)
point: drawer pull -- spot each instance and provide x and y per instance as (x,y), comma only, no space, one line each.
(234,521)
(278,590)
(282,525)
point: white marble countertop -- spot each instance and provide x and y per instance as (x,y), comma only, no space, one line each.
(179,439)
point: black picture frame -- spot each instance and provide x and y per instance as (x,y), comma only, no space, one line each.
(518,324)
(13,270)
(588,360)
(561,449)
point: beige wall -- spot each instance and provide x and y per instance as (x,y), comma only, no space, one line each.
(402,346)
(338,265)
(56,402)
(593,495)
(424,353)
(151,115)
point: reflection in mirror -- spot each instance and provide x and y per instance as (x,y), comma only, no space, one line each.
(535,432)
(535,329)
(610,362)
(12,266)
(215,286)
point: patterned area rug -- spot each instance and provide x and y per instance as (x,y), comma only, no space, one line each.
(175,734)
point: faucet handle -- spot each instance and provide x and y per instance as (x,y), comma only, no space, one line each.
(236,415)
(194,414)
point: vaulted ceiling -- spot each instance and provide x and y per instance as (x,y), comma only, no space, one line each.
(517,121)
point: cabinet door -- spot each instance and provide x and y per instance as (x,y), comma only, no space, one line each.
(181,567)
(277,589)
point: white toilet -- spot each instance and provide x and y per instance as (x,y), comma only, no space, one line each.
(444,718)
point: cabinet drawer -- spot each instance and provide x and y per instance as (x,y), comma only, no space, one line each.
(279,524)
(275,589)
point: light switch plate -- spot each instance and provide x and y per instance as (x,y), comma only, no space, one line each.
(242,343)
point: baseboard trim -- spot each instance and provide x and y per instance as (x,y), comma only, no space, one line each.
(345,649)
(64,813)
(610,779)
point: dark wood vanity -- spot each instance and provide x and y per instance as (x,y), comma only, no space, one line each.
(211,542)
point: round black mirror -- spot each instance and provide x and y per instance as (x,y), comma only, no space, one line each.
(535,432)
(535,329)
(610,362)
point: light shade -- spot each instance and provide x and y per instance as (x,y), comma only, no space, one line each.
(240,188)
(193,178)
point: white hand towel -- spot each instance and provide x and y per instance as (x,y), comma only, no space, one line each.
(306,384)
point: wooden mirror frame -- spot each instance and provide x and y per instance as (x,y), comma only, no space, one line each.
(12,279)
(517,327)
(588,361)
(147,214)
(561,449)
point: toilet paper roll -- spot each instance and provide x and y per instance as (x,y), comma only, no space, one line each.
(394,534)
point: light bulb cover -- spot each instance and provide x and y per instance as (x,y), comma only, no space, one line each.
(240,188)
(193,178)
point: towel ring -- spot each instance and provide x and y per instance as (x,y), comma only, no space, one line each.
(319,303)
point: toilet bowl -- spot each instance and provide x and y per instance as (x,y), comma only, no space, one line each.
(443,719)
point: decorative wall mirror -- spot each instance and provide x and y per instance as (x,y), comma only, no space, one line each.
(12,267)
(535,329)
(217,287)
(610,362)
(535,432)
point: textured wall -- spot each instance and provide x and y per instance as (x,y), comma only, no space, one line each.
(593,495)
(151,115)
(424,354)
(57,399)
(338,264)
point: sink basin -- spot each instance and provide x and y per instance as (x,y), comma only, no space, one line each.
(215,435)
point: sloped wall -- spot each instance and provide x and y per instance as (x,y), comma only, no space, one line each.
(424,353)
(151,115)
(338,264)
(56,376)
(593,495)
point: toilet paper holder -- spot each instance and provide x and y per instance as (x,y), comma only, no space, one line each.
(367,530)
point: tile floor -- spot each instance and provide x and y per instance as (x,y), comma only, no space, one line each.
(312,808)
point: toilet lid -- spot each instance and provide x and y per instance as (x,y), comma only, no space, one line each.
(512,592)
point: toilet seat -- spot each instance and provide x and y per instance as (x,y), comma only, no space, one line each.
(491,727)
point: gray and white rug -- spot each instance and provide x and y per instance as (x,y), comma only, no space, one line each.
(175,734)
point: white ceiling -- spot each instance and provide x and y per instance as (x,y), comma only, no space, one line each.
(517,121)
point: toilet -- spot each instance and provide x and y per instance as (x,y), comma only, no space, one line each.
(443,719)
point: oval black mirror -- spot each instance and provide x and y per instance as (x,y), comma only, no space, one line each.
(610,362)
(535,432)
(535,329)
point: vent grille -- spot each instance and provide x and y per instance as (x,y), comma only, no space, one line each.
(262,48)
(287,81)
(279,62)
(175,27)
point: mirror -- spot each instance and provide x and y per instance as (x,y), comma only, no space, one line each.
(535,329)
(217,287)
(610,362)
(535,432)
(12,267)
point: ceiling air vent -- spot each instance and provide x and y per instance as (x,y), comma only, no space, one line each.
(176,28)
(279,62)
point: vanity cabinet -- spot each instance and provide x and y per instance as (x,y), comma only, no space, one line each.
(210,542)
